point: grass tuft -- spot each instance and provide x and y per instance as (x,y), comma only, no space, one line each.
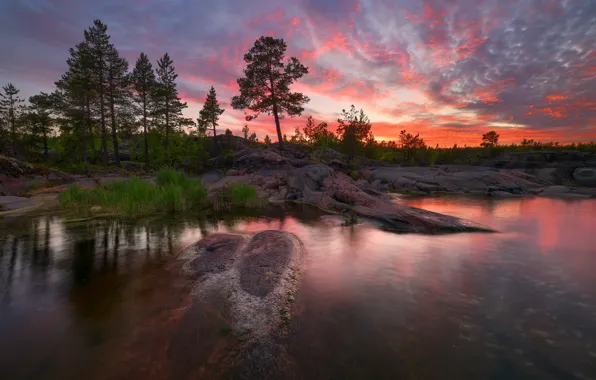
(173,193)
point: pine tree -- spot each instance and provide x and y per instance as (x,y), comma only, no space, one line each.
(118,91)
(10,103)
(209,115)
(143,79)
(75,92)
(245,131)
(168,104)
(266,85)
(354,127)
(40,109)
(98,42)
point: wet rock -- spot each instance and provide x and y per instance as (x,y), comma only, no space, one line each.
(585,177)
(213,254)
(566,192)
(95,209)
(248,285)
(264,262)
(9,203)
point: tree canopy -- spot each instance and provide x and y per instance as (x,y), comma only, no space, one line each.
(265,87)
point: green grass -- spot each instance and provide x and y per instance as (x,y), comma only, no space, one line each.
(173,192)
(242,195)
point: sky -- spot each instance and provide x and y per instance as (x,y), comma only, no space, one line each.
(450,70)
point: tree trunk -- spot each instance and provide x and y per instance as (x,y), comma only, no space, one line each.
(145,129)
(278,127)
(167,123)
(114,134)
(85,127)
(45,144)
(13,126)
(104,138)
(215,144)
(275,112)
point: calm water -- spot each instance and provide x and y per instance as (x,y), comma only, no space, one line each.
(104,300)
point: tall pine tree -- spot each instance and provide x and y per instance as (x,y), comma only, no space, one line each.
(266,83)
(75,92)
(209,115)
(143,79)
(41,118)
(118,92)
(99,47)
(168,105)
(10,103)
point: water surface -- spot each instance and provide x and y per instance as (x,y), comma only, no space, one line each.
(104,299)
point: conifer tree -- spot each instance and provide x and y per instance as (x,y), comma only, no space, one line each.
(118,92)
(99,47)
(10,104)
(168,105)
(143,79)
(41,118)
(209,115)
(75,92)
(266,83)
(245,131)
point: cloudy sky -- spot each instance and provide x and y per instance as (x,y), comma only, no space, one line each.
(447,69)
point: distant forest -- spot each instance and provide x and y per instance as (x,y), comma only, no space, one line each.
(103,111)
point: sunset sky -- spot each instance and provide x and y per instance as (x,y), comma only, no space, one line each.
(447,69)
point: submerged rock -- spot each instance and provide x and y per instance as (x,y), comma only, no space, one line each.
(251,281)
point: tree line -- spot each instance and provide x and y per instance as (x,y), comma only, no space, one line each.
(100,99)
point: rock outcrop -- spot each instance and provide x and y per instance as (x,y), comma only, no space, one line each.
(252,281)
(289,179)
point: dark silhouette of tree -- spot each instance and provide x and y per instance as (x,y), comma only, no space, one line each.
(99,48)
(316,133)
(209,115)
(168,105)
(75,93)
(245,131)
(143,80)
(353,129)
(298,137)
(266,83)
(409,143)
(40,109)
(490,139)
(11,107)
(267,140)
(118,92)
(253,137)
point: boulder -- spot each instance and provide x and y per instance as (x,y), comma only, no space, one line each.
(250,283)
(585,177)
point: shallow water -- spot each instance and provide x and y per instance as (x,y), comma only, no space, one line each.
(104,300)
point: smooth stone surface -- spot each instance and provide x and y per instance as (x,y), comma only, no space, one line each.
(585,177)
(10,202)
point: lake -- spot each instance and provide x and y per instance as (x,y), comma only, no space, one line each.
(100,299)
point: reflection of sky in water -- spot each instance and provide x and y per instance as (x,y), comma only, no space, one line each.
(520,302)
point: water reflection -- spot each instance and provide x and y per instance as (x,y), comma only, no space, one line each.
(104,299)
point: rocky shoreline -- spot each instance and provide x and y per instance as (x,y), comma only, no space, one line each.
(334,186)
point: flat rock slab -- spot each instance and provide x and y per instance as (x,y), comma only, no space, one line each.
(248,283)
(214,254)
(265,260)
(10,202)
